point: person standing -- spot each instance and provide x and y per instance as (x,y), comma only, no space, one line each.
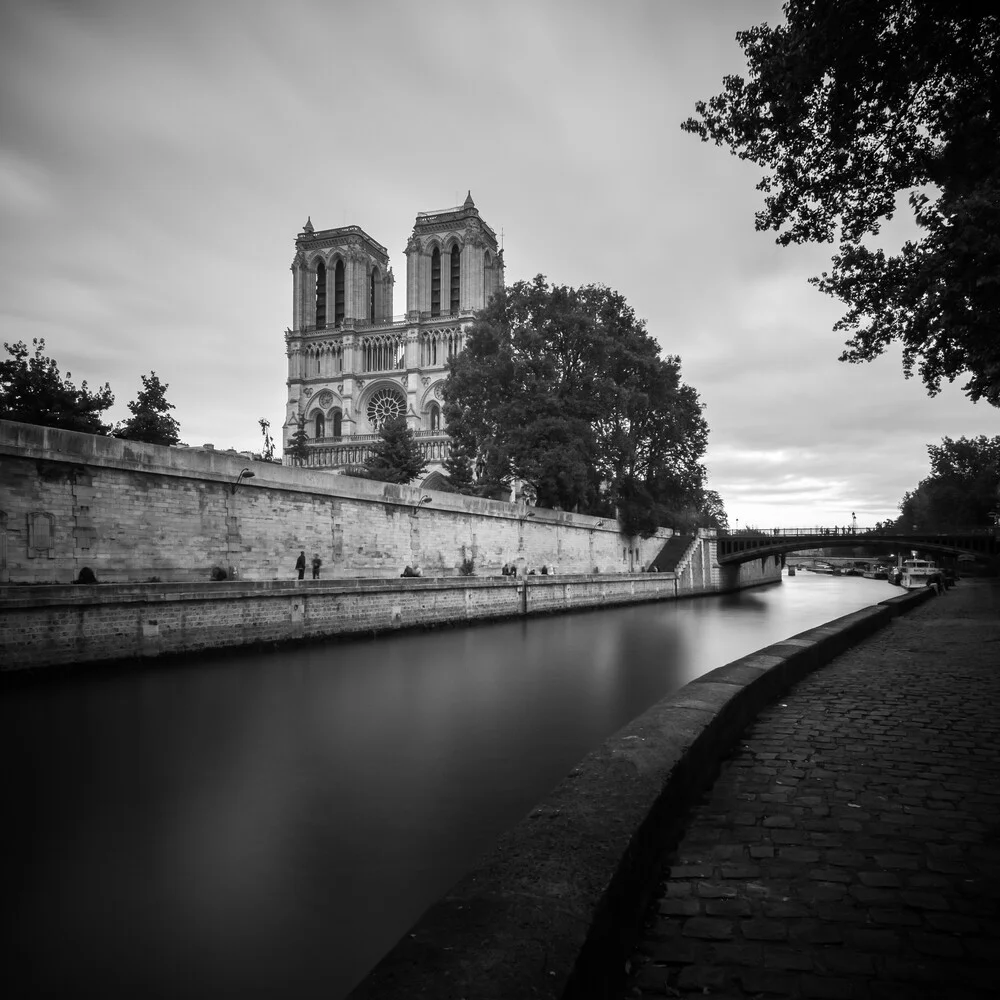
(300,565)
(316,563)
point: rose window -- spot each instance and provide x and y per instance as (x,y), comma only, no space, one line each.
(385,405)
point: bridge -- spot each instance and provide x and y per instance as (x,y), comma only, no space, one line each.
(744,544)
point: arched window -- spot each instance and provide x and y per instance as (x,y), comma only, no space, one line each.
(456,278)
(338,293)
(320,426)
(338,423)
(436,282)
(371,295)
(320,295)
(435,417)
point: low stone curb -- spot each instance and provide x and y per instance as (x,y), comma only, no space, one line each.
(555,908)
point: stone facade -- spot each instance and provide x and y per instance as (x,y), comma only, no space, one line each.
(351,363)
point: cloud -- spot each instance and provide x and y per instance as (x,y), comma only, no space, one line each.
(158,159)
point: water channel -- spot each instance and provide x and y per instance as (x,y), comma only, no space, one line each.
(269,824)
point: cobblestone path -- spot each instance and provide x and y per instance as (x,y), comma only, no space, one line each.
(850,847)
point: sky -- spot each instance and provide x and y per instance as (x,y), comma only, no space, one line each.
(157,160)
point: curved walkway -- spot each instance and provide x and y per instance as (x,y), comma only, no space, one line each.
(851,846)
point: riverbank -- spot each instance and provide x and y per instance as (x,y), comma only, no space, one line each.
(55,626)
(849,847)
(554,910)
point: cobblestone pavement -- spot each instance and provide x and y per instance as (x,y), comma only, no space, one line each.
(850,847)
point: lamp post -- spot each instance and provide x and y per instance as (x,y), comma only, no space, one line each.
(244,474)
(854,523)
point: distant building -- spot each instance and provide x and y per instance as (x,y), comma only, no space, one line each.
(353,365)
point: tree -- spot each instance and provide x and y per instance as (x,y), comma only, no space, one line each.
(460,465)
(33,391)
(849,106)
(298,447)
(565,390)
(396,457)
(963,489)
(150,420)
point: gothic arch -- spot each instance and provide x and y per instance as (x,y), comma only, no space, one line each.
(335,422)
(316,424)
(430,396)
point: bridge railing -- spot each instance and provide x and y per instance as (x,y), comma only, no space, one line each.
(840,531)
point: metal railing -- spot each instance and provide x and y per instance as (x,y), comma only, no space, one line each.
(839,531)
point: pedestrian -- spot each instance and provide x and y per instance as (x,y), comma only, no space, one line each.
(317,562)
(300,565)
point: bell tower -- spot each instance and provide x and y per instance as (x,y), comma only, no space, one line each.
(453,264)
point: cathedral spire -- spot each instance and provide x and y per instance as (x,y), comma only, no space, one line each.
(469,203)
(308,227)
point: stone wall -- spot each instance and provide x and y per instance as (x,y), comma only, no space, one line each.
(63,625)
(53,626)
(133,512)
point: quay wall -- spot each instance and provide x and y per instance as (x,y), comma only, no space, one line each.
(135,512)
(67,625)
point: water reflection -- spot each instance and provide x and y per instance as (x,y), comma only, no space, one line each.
(271,824)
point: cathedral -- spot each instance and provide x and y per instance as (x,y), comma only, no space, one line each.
(352,365)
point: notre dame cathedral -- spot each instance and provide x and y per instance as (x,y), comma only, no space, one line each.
(352,365)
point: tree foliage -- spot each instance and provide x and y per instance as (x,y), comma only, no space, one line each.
(849,106)
(33,391)
(396,457)
(150,420)
(564,389)
(298,447)
(963,489)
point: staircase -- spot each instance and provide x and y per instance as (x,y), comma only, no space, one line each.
(672,553)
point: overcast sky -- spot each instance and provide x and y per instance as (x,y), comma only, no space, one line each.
(158,158)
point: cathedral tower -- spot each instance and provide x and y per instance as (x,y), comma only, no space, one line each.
(352,365)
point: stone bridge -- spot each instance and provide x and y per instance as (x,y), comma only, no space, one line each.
(742,545)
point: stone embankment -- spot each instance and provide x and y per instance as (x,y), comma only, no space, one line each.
(850,846)
(70,626)
(882,876)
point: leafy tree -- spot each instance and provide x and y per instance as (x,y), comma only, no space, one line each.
(849,105)
(396,457)
(33,391)
(150,420)
(565,390)
(299,445)
(963,489)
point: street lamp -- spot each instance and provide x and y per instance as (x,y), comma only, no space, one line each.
(244,474)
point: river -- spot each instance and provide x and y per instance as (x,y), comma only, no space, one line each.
(270,823)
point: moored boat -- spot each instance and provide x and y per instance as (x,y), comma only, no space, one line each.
(918,573)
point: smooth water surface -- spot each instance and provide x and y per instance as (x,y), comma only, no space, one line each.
(270,824)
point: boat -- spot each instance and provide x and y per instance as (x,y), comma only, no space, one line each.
(918,573)
(876,573)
